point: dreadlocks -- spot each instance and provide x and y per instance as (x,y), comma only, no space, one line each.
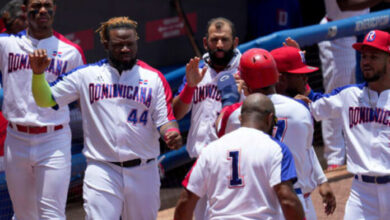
(114,23)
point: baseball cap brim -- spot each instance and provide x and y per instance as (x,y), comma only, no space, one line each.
(359,46)
(303,70)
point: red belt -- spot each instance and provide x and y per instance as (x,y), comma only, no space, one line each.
(34,129)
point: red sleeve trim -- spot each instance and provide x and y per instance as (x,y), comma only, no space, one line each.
(167,89)
(65,40)
(227,111)
(187,177)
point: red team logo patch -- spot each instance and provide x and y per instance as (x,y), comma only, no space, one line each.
(371,36)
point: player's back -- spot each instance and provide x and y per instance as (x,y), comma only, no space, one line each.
(295,129)
(243,166)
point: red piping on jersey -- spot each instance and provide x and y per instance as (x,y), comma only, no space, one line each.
(187,178)
(167,89)
(65,40)
(227,111)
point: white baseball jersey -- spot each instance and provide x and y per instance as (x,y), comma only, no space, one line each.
(333,11)
(237,173)
(295,129)
(365,118)
(338,64)
(19,104)
(206,105)
(121,112)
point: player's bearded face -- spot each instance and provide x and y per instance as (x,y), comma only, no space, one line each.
(122,48)
(221,60)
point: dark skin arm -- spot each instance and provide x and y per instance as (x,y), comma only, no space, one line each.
(186,205)
(171,137)
(328,198)
(355,5)
(291,205)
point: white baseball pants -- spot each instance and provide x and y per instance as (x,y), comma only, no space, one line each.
(368,201)
(37,168)
(308,207)
(111,192)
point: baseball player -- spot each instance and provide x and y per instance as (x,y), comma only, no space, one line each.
(126,106)
(294,126)
(12,21)
(38,142)
(364,112)
(246,174)
(338,64)
(199,92)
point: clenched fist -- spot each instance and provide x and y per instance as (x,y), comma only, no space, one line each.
(39,61)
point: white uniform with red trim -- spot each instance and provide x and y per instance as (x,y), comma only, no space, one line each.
(121,117)
(365,118)
(205,107)
(37,159)
(338,64)
(295,129)
(237,174)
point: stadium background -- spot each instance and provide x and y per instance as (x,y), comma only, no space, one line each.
(166,44)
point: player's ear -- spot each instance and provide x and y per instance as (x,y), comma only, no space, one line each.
(235,42)
(205,43)
(105,44)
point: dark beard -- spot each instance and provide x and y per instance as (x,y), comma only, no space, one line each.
(121,66)
(224,61)
(377,75)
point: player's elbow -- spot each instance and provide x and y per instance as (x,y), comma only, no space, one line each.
(292,209)
(186,205)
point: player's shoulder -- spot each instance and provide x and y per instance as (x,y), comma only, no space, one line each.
(147,67)
(347,89)
(82,70)
(66,43)
(147,70)
(283,101)
(12,37)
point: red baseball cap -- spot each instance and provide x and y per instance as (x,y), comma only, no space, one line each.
(291,60)
(377,39)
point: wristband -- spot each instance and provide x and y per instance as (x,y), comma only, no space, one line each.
(171,129)
(187,93)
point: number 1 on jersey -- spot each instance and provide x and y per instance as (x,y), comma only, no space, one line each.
(235,180)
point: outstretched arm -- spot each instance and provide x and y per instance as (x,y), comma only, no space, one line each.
(40,87)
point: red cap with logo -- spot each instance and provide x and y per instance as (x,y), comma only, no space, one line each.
(291,60)
(377,39)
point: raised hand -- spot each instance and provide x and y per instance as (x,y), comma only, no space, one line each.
(193,74)
(39,61)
